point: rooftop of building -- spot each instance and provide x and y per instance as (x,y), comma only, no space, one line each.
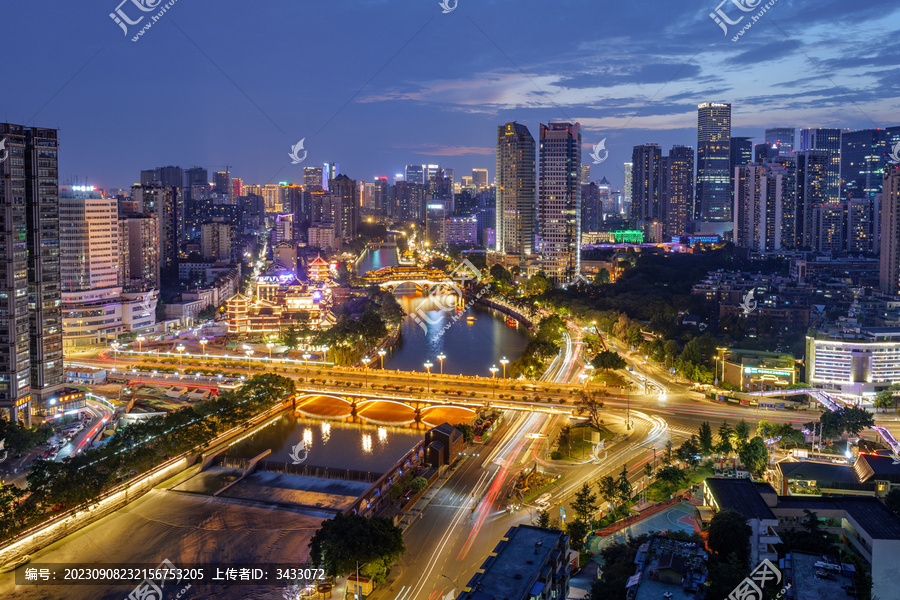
(810,582)
(868,512)
(687,559)
(741,495)
(874,466)
(817,471)
(519,559)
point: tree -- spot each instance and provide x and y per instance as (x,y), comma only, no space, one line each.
(585,503)
(883,402)
(291,337)
(705,438)
(725,433)
(689,452)
(765,429)
(855,420)
(602,277)
(467,431)
(543,519)
(648,470)
(376,541)
(741,433)
(729,534)
(418,484)
(624,486)
(754,455)
(608,360)
(577,531)
(669,455)
(671,475)
(609,489)
(590,404)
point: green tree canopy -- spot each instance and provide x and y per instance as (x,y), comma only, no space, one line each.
(377,541)
(729,534)
(755,455)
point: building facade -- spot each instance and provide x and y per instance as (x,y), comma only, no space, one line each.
(713,161)
(559,200)
(515,217)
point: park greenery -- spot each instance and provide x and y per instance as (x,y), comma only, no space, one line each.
(543,347)
(132,450)
(376,545)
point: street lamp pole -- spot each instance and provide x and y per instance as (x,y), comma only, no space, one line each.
(140,339)
(504,362)
(180,349)
(381,354)
(441,358)
(428,366)
(366,360)
(203,344)
(270,345)
(115,349)
(494,370)
(249,354)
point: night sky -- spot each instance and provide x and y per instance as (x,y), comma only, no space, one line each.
(376,85)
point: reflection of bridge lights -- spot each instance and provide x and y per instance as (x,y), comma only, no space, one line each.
(307,437)
(326,432)
(367,442)
(382,434)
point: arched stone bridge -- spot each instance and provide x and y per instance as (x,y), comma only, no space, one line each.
(382,411)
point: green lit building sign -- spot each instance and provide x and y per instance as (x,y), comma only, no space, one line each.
(628,236)
(756,371)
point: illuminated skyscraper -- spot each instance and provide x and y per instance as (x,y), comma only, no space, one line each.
(646,163)
(890,233)
(515,190)
(677,191)
(828,140)
(559,200)
(312,178)
(480,179)
(713,161)
(781,138)
(415,174)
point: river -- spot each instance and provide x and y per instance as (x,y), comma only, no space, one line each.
(472,345)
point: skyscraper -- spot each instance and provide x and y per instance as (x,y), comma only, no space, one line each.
(590,208)
(713,161)
(480,179)
(764,152)
(559,200)
(645,179)
(515,190)
(677,191)
(415,174)
(31,361)
(312,178)
(863,162)
(812,193)
(627,197)
(889,276)
(741,154)
(828,140)
(347,215)
(163,203)
(781,138)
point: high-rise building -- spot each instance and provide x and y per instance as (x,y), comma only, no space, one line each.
(347,217)
(677,191)
(515,190)
(480,179)
(741,153)
(828,140)
(415,174)
(139,245)
(764,152)
(430,171)
(585,174)
(781,138)
(313,178)
(863,162)
(409,200)
(812,193)
(89,239)
(381,197)
(222,184)
(450,175)
(215,241)
(237,188)
(763,212)
(162,202)
(330,171)
(591,208)
(889,276)
(31,354)
(645,179)
(713,161)
(830,219)
(862,227)
(627,198)
(559,200)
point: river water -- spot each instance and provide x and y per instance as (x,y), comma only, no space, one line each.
(472,345)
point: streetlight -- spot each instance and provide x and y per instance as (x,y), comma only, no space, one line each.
(494,370)
(306,357)
(366,360)
(590,374)
(504,362)
(441,358)
(140,339)
(428,366)
(203,343)
(249,354)
(270,345)
(115,349)
(381,354)
(180,349)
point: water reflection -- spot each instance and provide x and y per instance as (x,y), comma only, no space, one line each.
(367,443)
(326,432)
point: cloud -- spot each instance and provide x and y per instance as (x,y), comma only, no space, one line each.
(442,150)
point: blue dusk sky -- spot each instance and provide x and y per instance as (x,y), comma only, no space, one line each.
(378,84)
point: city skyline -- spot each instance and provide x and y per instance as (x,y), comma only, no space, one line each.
(490,76)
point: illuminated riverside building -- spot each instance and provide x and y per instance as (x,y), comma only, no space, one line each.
(857,364)
(279,300)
